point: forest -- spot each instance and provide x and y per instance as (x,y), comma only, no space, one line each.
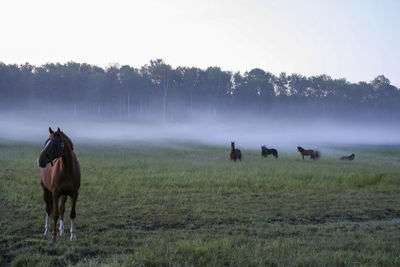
(159,92)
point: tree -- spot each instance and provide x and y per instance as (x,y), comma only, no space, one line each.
(190,78)
(162,76)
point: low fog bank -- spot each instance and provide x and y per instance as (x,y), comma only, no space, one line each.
(282,134)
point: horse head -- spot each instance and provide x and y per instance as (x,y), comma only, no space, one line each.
(53,148)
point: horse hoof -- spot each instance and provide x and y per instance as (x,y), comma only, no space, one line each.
(61,227)
(73,237)
(54,238)
(46,231)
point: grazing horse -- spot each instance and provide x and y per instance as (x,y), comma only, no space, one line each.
(59,179)
(235,153)
(351,157)
(312,153)
(265,152)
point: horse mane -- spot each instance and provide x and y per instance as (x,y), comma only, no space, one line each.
(68,140)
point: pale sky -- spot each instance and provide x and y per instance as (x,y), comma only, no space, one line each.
(355,39)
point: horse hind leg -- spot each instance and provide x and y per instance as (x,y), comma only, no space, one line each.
(47,199)
(72,215)
(63,199)
(55,214)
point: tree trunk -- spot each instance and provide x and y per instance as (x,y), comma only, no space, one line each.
(129,105)
(165,94)
(191,106)
(98,111)
(141,108)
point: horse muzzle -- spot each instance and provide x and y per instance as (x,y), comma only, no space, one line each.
(43,162)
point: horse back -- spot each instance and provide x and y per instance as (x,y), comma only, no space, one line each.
(238,153)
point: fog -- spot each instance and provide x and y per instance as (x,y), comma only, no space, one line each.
(248,133)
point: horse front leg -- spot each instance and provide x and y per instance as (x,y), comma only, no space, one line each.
(55,214)
(47,200)
(63,199)
(72,215)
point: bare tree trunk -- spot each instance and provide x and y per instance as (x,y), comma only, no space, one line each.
(191,105)
(141,109)
(165,105)
(98,111)
(129,105)
(165,94)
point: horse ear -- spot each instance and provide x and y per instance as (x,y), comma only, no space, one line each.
(58,131)
(51,130)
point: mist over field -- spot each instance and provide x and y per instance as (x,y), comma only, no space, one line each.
(283,134)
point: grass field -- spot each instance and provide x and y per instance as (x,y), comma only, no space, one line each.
(188,205)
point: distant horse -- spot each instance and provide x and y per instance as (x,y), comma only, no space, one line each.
(312,153)
(235,153)
(351,157)
(59,179)
(265,152)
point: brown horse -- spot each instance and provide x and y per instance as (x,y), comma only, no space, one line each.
(235,153)
(351,157)
(59,179)
(312,153)
(265,152)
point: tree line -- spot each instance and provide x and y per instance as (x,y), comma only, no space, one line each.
(157,91)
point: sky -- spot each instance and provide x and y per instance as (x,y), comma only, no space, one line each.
(354,39)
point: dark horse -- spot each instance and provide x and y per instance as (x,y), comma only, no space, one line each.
(59,179)
(265,152)
(351,157)
(312,153)
(235,153)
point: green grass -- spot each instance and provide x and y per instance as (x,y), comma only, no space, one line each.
(187,204)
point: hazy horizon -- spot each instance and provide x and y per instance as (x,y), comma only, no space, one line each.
(284,135)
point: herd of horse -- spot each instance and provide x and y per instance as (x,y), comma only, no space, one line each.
(60,176)
(236,154)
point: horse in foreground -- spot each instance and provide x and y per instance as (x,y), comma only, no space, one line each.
(235,153)
(314,154)
(351,157)
(265,152)
(60,177)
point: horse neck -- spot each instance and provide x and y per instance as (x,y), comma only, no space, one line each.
(67,158)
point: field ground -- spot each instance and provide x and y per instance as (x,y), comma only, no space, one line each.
(187,204)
